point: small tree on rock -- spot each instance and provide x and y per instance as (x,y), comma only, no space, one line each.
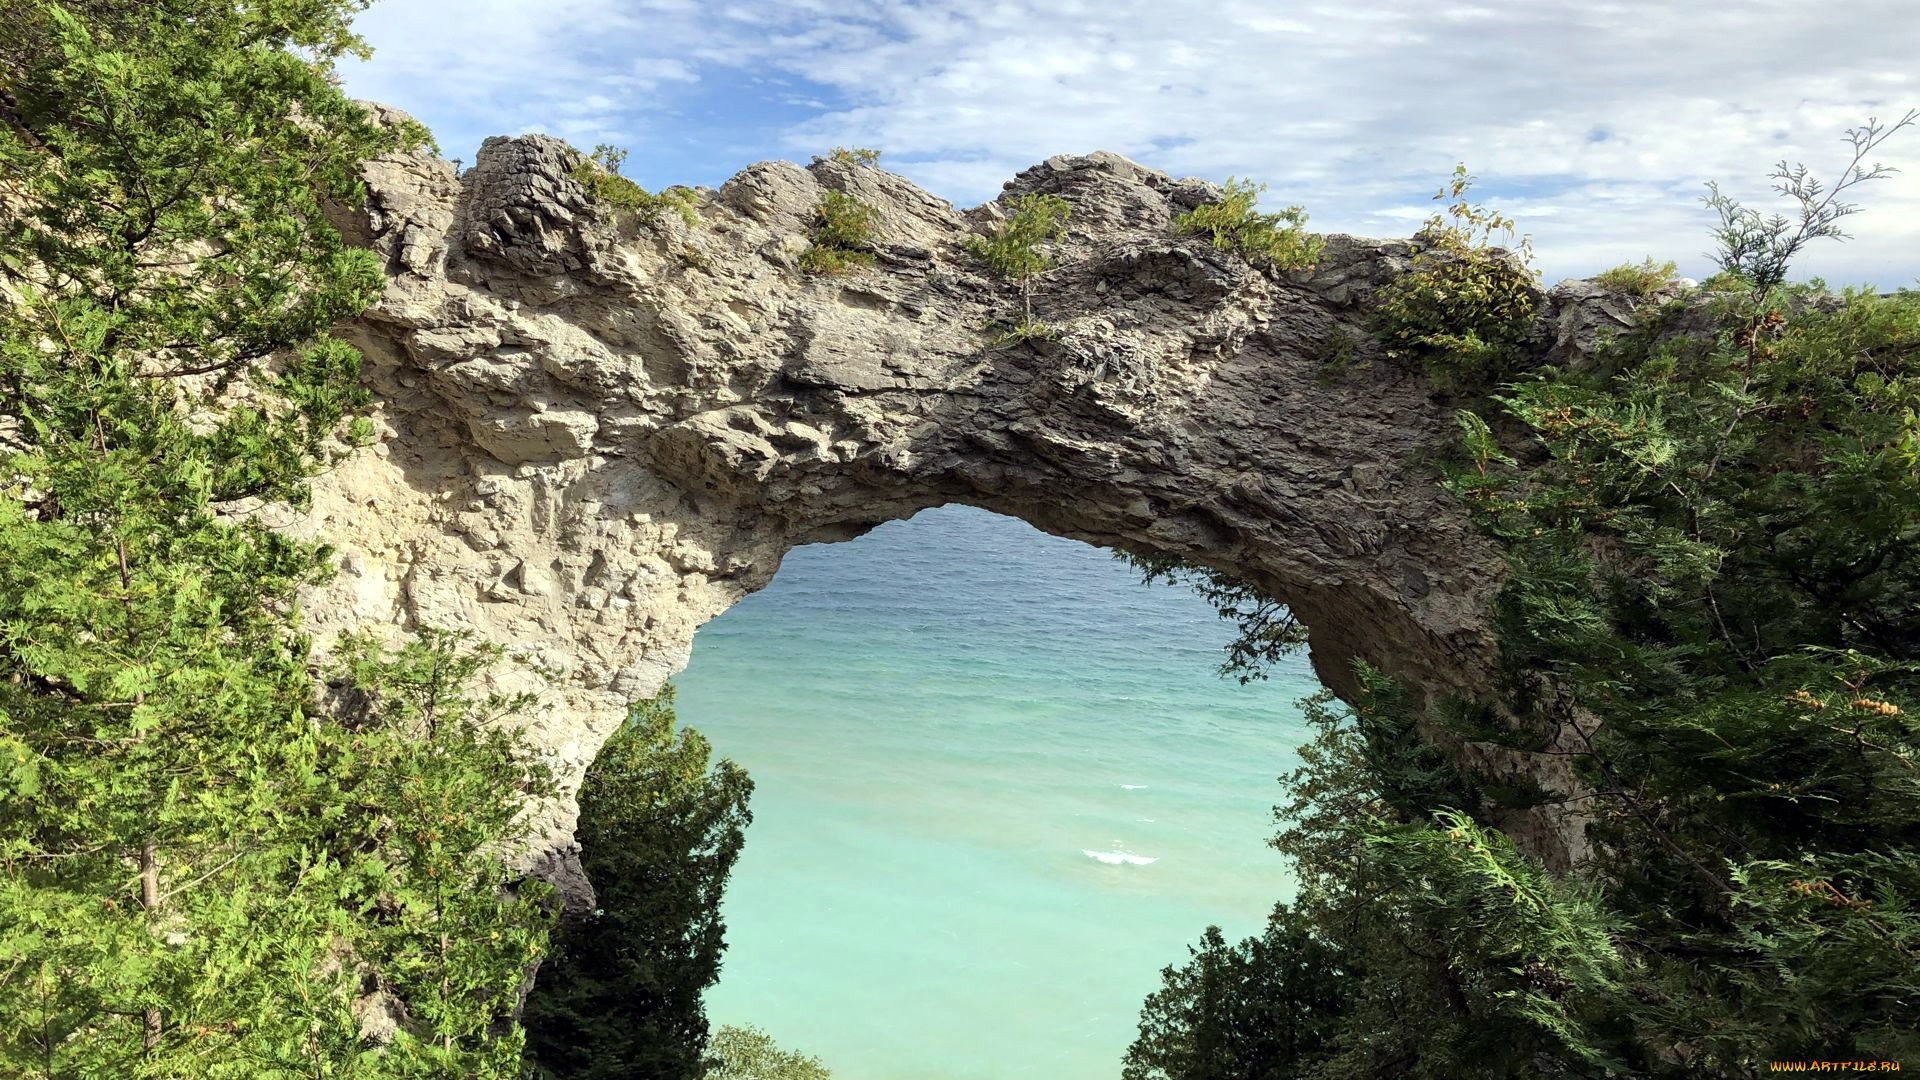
(1760,248)
(1013,251)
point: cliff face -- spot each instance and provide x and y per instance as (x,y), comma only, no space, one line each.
(593,440)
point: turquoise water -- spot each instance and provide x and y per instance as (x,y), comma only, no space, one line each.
(999,786)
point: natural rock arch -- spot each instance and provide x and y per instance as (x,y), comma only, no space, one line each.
(593,440)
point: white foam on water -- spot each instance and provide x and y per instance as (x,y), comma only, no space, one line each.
(1133,787)
(1118,858)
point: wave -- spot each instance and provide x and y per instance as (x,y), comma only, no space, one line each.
(1133,787)
(1118,858)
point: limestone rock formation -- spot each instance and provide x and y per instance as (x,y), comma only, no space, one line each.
(595,436)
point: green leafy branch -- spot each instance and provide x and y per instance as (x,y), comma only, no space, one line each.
(1013,252)
(1232,224)
(842,235)
(599,174)
(1465,308)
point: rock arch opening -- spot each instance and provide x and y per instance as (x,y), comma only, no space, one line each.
(999,786)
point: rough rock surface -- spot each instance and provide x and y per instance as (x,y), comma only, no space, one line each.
(595,437)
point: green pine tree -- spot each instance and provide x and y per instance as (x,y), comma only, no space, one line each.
(659,834)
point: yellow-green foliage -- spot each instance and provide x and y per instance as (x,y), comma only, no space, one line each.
(599,174)
(1464,308)
(692,257)
(747,1053)
(1638,281)
(1727,281)
(855,155)
(1013,251)
(1233,225)
(843,227)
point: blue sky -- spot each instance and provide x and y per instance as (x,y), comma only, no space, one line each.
(1594,123)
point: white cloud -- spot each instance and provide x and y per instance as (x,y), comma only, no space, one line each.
(473,68)
(1601,118)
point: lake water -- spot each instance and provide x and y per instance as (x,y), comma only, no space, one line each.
(999,786)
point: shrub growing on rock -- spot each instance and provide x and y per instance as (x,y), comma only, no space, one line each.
(1013,252)
(841,237)
(1465,307)
(856,155)
(1280,239)
(599,174)
(1639,281)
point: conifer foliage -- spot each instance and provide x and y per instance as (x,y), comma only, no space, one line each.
(659,834)
(1711,612)
(1013,252)
(203,872)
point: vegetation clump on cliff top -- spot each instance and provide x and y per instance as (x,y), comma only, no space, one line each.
(856,155)
(1639,281)
(1465,308)
(1231,224)
(599,174)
